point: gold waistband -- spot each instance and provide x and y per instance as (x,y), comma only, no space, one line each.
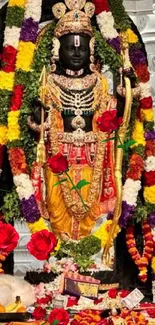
(78,137)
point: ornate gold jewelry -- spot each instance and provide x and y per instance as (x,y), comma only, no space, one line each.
(92,66)
(55,53)
(78,122)
(74,21)
(74,83)
(73,204)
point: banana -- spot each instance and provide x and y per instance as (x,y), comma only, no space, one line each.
(12,308)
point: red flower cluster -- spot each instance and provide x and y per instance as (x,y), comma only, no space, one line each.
(136,167)
(149,178)
(17,97)
(17,161)
(39,313)
(60,315)
(146,102)
(41,244)
(142,72)
(109,121)
(44,300)
(58,163)
(150,148)
(8,238)
(8,59)
(100,5)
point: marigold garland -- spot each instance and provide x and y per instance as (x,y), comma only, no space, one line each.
(143,260)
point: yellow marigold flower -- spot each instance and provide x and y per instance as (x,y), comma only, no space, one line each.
(6,80)
(19,3)
(25,55)
(149,194)
(3,134)
(13,134)
(153,264)
(132,37)
(138,134)
(103,232)
(37,226)
(13,117)
(147,115)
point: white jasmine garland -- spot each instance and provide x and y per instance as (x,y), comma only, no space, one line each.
(11,36)
(33,9)
(130,191)
(24,186)
(150,164)
(145,90)
(105,22)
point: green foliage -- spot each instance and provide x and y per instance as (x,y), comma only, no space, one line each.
(121,18)
(106,53)
(80,184)
(11,206)
(5,98)
(31,81)
(80,251)
(15,16)
(140,213)
(149,126)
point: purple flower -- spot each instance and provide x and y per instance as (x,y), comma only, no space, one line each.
(115,43)
(152,219)
(150,135)
(30,209)
(127,212)
(29,30)
(136,56)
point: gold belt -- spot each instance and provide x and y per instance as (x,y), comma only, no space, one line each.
(78,137)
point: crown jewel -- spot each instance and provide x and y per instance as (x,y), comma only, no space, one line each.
(76,20)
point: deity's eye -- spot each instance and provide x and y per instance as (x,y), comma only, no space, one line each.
(83,48)
(69,47)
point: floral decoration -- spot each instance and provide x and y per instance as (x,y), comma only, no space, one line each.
(143,260)
(42,244)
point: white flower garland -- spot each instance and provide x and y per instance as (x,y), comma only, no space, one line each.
(131,196)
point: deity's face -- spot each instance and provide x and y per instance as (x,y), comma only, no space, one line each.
(74,51)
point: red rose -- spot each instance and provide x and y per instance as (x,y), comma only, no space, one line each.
(9,59)
(60,315)
(58,163)
(109,121)
(8,238)
(112,293)
(39,313)
(100,6)
(17,97)
(41,244)
(149,178)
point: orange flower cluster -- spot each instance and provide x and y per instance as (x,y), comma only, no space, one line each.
(134,317)
(143,260)
(136,167)
(17,161)
(87,317)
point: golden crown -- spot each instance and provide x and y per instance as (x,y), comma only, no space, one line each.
(76,20)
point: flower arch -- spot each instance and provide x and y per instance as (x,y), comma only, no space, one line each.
(19,82)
